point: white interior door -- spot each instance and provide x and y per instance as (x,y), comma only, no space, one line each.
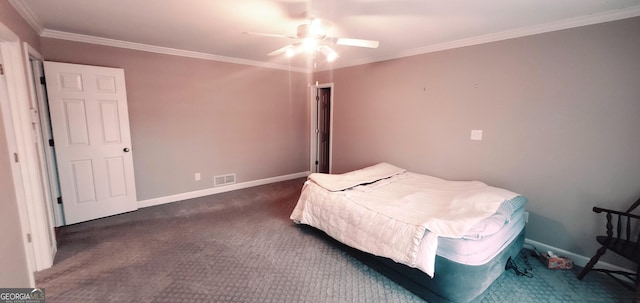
(89,117)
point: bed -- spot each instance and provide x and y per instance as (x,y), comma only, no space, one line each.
(446,241)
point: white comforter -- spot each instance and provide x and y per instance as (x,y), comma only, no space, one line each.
(384,210)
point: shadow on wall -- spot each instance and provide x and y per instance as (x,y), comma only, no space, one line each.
(550,226)
(570,245)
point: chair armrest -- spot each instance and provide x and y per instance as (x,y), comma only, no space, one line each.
(615,212)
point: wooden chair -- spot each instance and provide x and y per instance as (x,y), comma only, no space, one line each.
(623,239)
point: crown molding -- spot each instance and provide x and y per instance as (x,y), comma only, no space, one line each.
(28,15)
(163,50)
(614,15)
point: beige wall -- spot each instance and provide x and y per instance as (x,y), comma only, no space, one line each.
(560,114)
(191,115)
(12,19)
(13,263)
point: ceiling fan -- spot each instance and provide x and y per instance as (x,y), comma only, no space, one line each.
(313,37)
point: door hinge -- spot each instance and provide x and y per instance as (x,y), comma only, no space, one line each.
(29,238)
(15,157)
(59,200)
(317,162)
(43,81)
(51,143)
(35,117)
(1,70)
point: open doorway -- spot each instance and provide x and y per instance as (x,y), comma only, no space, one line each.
(321,127)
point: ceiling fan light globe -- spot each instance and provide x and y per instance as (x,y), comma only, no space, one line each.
(329,53)
(332,56)
(310,44)
(290,52)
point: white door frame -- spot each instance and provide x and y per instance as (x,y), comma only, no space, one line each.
(40,115)
(29,187)
(16,176)
(314,126)
(47,156)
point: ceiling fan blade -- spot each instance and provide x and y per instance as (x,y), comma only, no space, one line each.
(357,42)
(280,50)
(270,35)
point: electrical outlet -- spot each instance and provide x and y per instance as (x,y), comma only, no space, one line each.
(197,176)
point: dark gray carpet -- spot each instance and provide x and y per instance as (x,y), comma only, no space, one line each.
(241,247)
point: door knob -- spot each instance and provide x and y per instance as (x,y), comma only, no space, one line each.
(126,150)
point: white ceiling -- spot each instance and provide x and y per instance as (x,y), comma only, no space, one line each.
(214,28)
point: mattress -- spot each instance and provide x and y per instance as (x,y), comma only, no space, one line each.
(380,209)
(478,251)
(453,283)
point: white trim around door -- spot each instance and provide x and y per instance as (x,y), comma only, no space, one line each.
(29,187)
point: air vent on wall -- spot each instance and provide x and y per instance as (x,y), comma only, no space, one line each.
(224,180)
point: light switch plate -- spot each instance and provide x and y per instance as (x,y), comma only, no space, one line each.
(476,134)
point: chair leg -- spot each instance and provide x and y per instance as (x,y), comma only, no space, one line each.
(637,296)
(592,262)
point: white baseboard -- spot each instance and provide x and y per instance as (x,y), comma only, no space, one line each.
(578,260)
(217,190)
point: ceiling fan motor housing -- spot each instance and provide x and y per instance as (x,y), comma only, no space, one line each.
(314,31)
